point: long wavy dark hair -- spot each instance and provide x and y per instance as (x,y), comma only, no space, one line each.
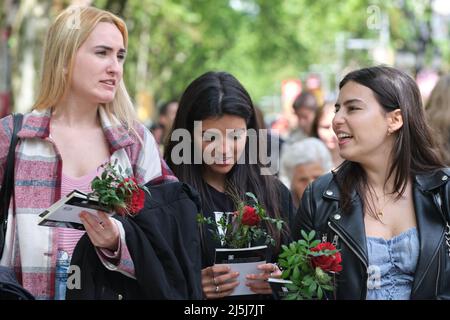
(414,150)
(213,95)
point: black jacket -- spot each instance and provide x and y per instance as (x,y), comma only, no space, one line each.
(319,210)
(164,244)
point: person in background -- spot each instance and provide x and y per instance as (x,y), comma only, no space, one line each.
(82,118)
(157,131)
(305,108)
(223,107)
(302,163)
(323,129)
(438,114)
(167,113)
(386,207)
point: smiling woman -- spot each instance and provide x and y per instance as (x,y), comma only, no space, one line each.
(83,117)
(387,205)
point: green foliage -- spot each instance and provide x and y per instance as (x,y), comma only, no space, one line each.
(172,42)
(308,282)
(113,190)
(238,234)
(188,38)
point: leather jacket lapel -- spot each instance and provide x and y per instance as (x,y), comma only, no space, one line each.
(349,224)
(431,232)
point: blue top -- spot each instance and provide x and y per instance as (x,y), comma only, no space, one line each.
(392,264)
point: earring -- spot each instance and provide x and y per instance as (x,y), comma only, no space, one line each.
(389,132)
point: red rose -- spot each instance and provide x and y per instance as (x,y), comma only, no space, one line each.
(327,263)
(134,202)
(125,180)
(137,201)
(250,217)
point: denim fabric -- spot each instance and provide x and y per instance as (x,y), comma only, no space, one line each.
(392,264)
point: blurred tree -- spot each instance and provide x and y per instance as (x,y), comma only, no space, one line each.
(261,42)
(28,29)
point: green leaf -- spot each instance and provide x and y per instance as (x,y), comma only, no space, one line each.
(296,273)
(292,246)
(314,244)
(311,235)
(304,235)
(307,281)
(251,195)
(291,296)
(313,287)
(327,287)
(303,243)
(286,274)
(291,259)
(319,292)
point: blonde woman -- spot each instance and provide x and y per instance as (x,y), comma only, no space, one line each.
(82,118)
(438,113)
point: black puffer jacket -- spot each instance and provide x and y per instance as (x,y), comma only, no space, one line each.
(320,211)
(164,244)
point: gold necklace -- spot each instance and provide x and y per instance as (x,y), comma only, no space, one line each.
(380,212)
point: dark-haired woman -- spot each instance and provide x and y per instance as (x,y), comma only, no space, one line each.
(218,113)
(387,205)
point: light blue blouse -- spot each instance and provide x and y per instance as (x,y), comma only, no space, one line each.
(392,264)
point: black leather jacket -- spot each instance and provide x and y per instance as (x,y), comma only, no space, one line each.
(319,210)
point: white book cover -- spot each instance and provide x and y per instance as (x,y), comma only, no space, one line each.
(65,212)
(243,260)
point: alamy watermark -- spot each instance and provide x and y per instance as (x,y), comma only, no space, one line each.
(374,20)
(374,277)
(74,277)
(74,21)
(238,146)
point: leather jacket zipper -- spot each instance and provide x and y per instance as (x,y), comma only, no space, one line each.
(437,201)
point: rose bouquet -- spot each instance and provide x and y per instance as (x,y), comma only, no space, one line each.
(243,239)
(310,265)
(243,227)
(117,192)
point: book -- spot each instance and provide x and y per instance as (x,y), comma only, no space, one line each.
(279,288)
(65,212)
(244,261)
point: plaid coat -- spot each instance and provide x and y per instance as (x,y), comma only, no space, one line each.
(29,248)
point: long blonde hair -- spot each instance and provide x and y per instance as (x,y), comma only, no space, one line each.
(65,36)
(438,114)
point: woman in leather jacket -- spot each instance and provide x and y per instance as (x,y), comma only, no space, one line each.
(386,207)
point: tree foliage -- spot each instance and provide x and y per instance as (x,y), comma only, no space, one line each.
(261,42)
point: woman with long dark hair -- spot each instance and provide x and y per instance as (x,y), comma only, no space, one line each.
(217,102)
(387,205)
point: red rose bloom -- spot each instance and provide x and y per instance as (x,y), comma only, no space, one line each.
(136,202)
(250,217)
(327,263)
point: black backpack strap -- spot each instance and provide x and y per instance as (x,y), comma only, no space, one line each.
(8,177)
